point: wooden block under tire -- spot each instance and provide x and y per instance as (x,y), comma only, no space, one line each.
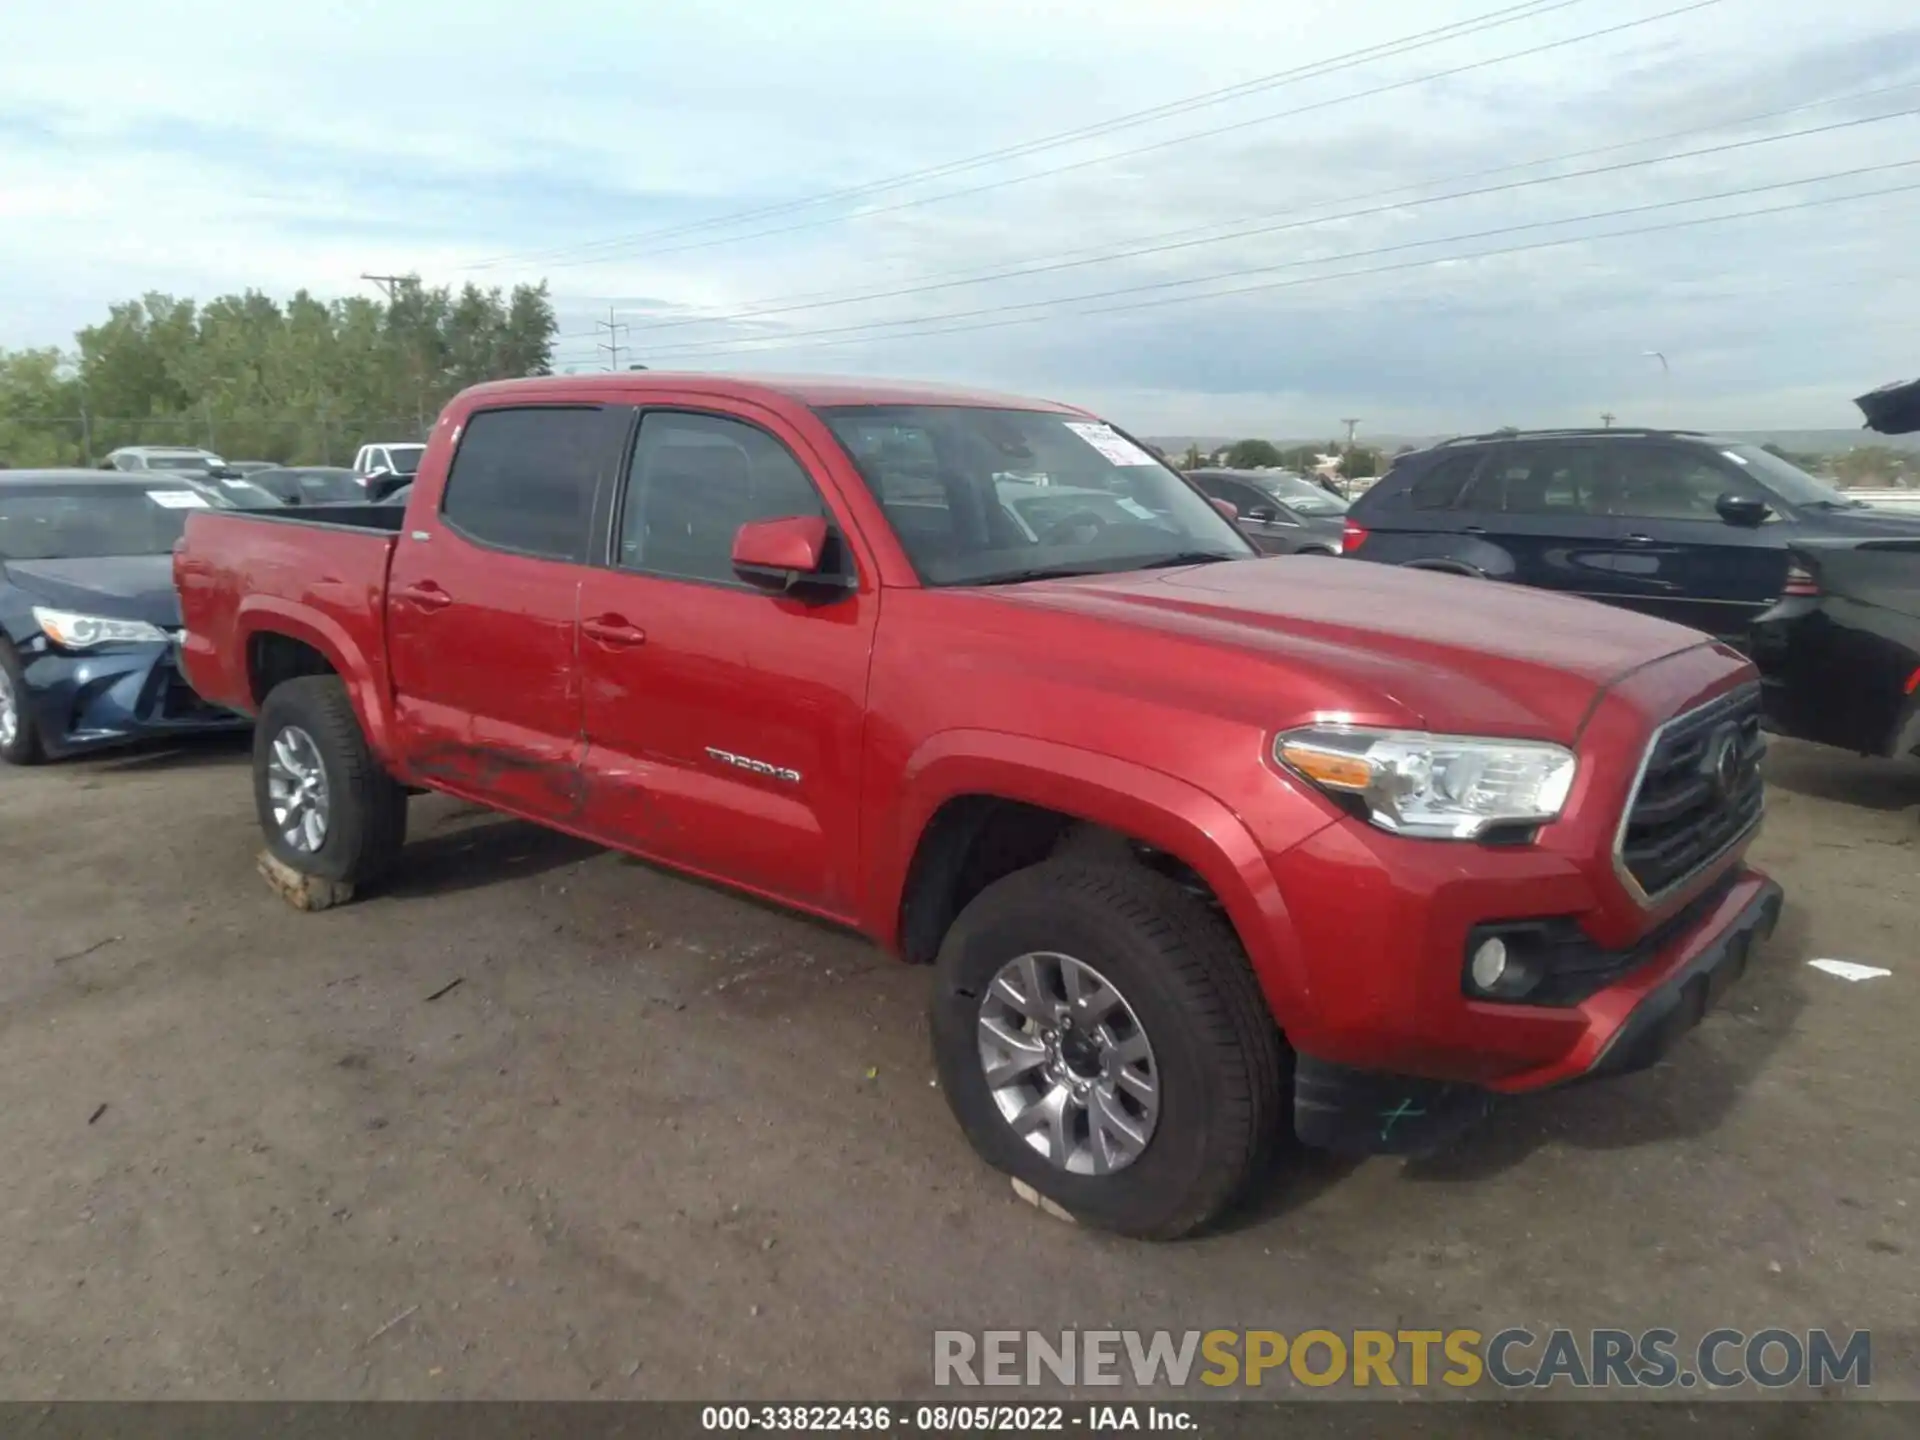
(302,891)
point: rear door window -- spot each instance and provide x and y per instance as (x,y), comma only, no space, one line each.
(1544,480)
(524,480)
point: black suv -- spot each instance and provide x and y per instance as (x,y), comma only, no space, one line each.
(1680,525)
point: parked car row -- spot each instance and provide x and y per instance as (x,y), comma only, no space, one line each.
(377,470)
(1724,537)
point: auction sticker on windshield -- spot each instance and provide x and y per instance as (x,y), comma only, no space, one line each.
(178,499)
(1114,447)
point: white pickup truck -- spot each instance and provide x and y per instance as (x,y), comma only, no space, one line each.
(386,466)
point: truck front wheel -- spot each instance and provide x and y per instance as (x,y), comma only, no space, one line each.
(1100,1037)
(325,805)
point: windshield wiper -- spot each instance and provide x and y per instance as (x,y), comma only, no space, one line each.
(1835,505)
(1039,572)
(1187,557)
(1117,566)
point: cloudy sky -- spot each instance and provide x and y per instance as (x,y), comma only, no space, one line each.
(1258,220)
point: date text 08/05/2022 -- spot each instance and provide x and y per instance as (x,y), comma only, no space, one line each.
(948,1419)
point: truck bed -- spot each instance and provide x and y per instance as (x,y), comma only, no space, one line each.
(319,572)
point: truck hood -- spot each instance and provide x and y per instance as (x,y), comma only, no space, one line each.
(119,587)
(1447,652)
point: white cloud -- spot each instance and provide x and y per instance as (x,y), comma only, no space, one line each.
(206,147)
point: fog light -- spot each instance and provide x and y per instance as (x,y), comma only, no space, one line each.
(1489,964)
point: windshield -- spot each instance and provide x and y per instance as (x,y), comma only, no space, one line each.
(241,494)
(405,458)
(1785,479)
(1301,495)
(87,521)
(185,462)
(980,497)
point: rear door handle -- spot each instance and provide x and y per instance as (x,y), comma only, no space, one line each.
(613,630)
(1641,539)
(427,595)
(1473,529)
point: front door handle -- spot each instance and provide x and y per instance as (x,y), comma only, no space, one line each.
(1641,539)
(427,595)
(1473,529)
(613,630)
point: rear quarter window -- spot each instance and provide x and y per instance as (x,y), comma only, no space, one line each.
(1420,486)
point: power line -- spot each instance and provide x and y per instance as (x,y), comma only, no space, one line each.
(1157,145)
(1054,266)
(1384,50)
(808,337)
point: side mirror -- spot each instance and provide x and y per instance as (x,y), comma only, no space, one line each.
(378,472)
(1262,516)
(1742,510)
(1226,508)
(783,556)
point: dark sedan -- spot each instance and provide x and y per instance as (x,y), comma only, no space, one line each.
(89,620)
(1281,513)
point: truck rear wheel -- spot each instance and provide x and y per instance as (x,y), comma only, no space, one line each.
(325,805)
(1100,1037)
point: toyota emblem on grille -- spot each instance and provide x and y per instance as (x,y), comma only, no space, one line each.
(1726,761)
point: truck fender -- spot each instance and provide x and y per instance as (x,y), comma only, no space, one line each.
(270,615)
(1153,807)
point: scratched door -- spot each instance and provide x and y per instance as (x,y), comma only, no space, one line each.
(724,724)
(482,603)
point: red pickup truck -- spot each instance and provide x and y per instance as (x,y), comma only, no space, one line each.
(1203,847)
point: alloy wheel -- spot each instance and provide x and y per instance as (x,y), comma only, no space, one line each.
(1068,1064)
(297,790)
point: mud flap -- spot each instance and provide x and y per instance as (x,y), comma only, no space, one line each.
(1366,1112)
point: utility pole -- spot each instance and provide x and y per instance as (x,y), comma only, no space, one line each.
(387,283)
(615,329)
(1606,419)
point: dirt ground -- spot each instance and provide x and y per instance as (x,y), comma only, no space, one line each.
(657,1141)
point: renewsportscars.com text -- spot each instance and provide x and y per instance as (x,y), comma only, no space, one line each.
(1512,1359)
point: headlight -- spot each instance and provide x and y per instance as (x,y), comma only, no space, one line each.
(1445,787)
(82,632)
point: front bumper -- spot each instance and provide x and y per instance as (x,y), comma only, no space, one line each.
(1627,1027)
(82,701)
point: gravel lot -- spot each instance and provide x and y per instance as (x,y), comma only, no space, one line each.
(657,1141)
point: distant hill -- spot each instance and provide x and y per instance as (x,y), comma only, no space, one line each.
(1800,442)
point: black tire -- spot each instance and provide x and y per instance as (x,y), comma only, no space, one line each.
(1178,964)
(367,810)
(25,747)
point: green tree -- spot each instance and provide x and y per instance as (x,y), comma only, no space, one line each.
(1193,458)
(39,411)
(1253,455)
(307,380)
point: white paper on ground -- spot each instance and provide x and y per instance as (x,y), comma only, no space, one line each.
(1115,447)
(1849,969)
